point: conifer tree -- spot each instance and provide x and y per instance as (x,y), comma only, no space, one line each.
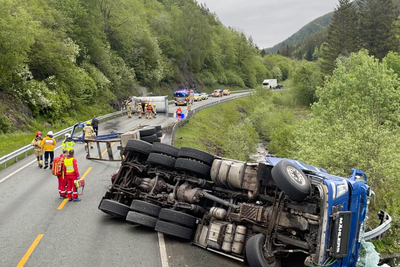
(376,26)
(342,35)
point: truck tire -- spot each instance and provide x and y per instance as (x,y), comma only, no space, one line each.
(142,219)
(114,208)
(177,217)
(139,146)
(193,166)
(149,138)
(145,208)
(291,180)
(166,149)
(158,128)
(255,255)
(173,229)
(200,155)
(166,161)
(148,130)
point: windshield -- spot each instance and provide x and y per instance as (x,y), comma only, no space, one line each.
(180,94)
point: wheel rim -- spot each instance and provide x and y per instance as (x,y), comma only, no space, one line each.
(296,175)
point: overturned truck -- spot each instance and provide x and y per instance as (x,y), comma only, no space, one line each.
(262,213)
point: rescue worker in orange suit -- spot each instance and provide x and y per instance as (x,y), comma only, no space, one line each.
(62,181)
(179,113)
(139,110)
(89,133)
(149,110)
(37,143)
(48,144)
(71,173)
(154,110)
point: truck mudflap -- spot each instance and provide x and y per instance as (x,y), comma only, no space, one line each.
(341,234)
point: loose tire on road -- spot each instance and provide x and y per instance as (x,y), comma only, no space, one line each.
(173,229)
(148,130)
(193,166)
(142,219)
(177,217)
(139,146)
(291,180)
(166,161)
(114,208)
(255,255)
(200,155)
(149,138)
(145,208)
(166,149)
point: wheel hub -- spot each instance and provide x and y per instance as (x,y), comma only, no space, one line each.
(296,175)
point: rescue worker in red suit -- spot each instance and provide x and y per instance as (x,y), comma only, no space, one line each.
(179,113)
(149,111)
(62,181)
(71,173)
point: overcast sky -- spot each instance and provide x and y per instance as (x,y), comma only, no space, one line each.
(269,22)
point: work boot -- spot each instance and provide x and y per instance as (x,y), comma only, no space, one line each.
(45,167)
(70,199)
(77,199)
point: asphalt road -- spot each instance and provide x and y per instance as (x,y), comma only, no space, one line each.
(39,229)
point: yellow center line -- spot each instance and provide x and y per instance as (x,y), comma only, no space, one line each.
(140,124)
(66,199)
(106,149)
(30,251)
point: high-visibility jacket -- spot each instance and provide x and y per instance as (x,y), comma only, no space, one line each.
(68,144)
(48,143)
(149,108)
(71,168)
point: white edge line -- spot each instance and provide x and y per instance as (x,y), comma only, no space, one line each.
(163,250)
(20,169)
(8,176)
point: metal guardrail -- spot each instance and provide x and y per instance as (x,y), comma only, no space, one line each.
(380,229)
(24,150)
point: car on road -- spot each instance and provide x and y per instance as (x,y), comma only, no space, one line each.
(217,93)
(197,97)
(204,96)
(226,92)
(266,212)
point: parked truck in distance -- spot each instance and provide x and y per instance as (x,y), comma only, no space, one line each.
(270,83)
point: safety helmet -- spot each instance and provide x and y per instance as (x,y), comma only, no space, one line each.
(67,135)
(38,133)
(154,105)
(50,133)
(88,123)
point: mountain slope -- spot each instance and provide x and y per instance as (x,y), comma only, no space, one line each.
(309,29)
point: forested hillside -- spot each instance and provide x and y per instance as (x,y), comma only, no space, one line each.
(308,42)
(66,58)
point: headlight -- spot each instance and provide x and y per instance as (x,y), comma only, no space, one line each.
(341,189)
